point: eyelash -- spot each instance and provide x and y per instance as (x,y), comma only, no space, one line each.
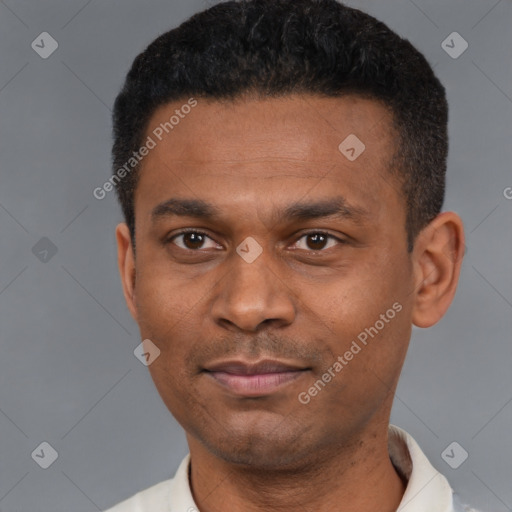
(195,231)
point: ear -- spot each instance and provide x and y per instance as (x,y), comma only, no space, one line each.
(437,256)
(126,264)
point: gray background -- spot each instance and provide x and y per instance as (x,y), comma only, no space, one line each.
(68,375)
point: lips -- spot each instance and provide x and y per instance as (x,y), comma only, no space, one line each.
(242,368)
(254,379)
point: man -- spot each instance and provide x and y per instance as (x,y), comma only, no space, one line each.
(280,165)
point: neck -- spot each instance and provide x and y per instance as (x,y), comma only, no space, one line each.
(358,476)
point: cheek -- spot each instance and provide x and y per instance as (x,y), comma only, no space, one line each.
(163,302)
(368,316)
(354,303)
(169,316)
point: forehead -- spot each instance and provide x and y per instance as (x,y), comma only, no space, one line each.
(235,152)
(295,126)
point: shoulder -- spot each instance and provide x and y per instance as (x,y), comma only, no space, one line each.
(426,487)
(173,493)
(154,497)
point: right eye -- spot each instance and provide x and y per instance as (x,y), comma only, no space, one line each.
(191,240)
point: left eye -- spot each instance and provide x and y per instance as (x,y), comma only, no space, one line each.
(318,240)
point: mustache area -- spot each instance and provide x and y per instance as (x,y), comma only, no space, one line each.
(260,346)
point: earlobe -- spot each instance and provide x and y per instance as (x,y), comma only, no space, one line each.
(126,265)
(438,254)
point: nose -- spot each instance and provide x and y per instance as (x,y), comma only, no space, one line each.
(252,295)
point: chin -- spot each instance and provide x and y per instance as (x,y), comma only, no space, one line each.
(265,445)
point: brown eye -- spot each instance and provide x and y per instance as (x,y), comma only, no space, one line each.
(191,240)
(318,241)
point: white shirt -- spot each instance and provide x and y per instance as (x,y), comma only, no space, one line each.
(427,490)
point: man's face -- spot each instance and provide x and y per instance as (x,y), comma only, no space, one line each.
(300,290)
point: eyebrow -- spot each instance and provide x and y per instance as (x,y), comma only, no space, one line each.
(336,207)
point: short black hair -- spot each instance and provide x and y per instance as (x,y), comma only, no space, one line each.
(280,47)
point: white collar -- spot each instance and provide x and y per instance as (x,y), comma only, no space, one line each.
(427,489)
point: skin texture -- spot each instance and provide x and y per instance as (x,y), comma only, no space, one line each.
(302,301)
